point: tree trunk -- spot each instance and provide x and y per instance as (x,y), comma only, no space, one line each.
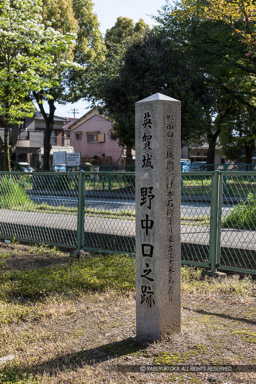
(128,159)
(211,153)
(47,145)
(128,156)
(49,124)
(212,140)
(6,148)
(249,150)
(14,138)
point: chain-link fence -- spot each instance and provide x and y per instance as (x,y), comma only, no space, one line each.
(237,167)
(110,212)
(96,211)
(39,207)
(237,247)
(195,217)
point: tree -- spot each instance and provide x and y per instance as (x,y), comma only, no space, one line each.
(239,15)
(118,39)
(220,57)
(70,77)
(124,31)
(154,64)
(25,53)
(185,59)
(238,136)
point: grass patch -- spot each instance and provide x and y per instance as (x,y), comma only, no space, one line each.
(165,358)
(231,285)
(12,375)
(105,213)
(94,274)
(97,274)
(195,220)
(249,337)
(12,194)
(243,215)
(65,276)
(125,214)
(61,209)
(72,320)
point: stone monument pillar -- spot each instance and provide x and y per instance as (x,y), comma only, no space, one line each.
(158,183)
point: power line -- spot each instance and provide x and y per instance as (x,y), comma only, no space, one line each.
(74,111)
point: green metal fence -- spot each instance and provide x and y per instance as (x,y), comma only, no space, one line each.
(96,211)
(237,247)
(39,207)
(110,212)
(195,218)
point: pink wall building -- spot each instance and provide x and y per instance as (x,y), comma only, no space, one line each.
(91,136)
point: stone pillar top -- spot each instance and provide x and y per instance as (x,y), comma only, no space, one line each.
(157,96)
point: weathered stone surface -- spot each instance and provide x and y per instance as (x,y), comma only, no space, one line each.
(158,146)
(5,359)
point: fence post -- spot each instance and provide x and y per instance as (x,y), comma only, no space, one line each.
(215,221)
(80,216)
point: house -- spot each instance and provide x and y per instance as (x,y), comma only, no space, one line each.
(30,139)
(196,152)
(91,136)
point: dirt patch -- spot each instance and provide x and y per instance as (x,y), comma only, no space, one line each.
(94,341)
(90,338)
(22,257)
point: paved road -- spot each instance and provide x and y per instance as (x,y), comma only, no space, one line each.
(192,234)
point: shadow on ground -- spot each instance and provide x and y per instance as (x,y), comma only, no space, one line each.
(222,315)
(76,360)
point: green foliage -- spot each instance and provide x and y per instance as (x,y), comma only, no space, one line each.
(151,65)
(218,58)
(239,15)
(26,60)
(12,194)
(237,59)
(243,215)
(72,68)
(124,31)
(238,136)
(105,85)
(184,59)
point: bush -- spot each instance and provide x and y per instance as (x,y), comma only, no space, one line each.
(242,216)
(11,193)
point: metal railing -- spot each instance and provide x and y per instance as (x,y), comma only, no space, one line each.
(96,211)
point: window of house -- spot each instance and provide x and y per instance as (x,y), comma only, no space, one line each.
(79,135)
(95,137)
(53,139)
(92,137)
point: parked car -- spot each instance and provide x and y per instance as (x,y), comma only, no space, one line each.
(22,167)
(198,166)
(185,165)
(59,168)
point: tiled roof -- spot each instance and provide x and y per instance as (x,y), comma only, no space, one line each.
(38,115)
(71,120)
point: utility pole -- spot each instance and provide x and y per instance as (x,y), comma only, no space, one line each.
(74,111)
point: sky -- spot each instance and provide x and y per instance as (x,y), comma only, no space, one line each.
(108,11)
